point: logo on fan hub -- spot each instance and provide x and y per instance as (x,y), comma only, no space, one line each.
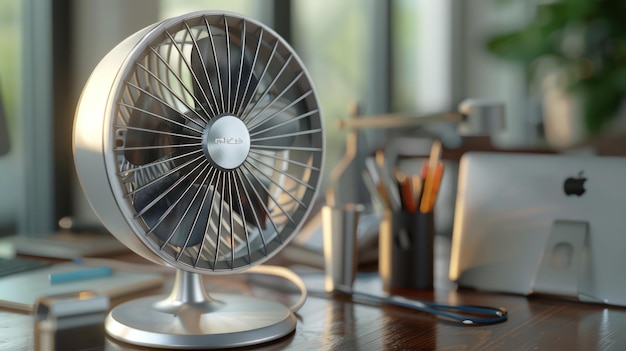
(235,141)
(226,142)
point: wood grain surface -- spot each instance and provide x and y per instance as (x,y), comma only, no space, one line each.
(335,322)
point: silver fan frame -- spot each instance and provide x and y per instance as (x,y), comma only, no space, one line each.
(94,159)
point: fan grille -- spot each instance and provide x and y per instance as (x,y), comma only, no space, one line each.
(203,198)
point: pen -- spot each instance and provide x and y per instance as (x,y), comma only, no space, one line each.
(80,274)
(371,187)
(406,192)
(377,180)
(385,185)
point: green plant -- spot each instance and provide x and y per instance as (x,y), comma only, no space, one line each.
(587,41)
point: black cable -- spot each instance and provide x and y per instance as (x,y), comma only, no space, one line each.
(463,314)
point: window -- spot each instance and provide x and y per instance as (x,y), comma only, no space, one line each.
(344,45)
(376,53)
(10,90)
(260,9)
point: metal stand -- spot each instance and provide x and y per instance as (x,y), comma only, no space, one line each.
(191,319)
(563,262)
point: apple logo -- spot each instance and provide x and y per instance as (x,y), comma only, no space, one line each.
(575,186)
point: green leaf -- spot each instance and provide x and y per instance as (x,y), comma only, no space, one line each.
(601,84)
(579,9)
(523,46)
(601,102)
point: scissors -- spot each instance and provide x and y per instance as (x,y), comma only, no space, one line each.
(463,314)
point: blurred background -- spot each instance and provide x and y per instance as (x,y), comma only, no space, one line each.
(558,66)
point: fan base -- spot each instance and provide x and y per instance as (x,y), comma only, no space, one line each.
(226,321)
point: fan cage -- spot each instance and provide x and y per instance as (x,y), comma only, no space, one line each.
(207,218)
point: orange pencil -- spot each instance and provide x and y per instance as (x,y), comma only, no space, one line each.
(429,182)
(435,188)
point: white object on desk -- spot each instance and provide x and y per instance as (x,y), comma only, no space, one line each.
(507,206)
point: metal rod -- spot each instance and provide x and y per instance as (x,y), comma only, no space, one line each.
(396,120)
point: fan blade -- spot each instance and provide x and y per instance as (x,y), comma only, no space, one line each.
(278,127)
(142,117)
(173,222)
(214,54)
(180,219)
(252,207)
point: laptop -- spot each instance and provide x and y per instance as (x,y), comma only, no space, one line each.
(546,224)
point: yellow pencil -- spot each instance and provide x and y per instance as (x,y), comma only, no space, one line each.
(429,182)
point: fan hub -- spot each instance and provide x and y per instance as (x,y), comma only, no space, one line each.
(226,142)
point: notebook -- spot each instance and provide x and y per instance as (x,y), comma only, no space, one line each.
(529,223)
(20,291)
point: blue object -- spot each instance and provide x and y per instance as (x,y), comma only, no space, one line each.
(82,274)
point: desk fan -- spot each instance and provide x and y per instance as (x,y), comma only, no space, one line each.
(199,143)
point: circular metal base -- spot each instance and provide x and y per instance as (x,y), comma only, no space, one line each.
(226,321)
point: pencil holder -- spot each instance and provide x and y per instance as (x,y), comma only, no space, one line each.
(406,250)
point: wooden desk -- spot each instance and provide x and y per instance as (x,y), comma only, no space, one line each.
(338,324)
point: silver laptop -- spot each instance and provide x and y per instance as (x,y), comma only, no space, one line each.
(550,224)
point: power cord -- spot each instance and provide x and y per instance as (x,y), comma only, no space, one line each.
(462,314)
(287,274)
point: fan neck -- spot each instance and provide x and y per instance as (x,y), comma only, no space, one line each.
(226,142)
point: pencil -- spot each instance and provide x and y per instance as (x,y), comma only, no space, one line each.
(416,189)
(429,182)
(435,188)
